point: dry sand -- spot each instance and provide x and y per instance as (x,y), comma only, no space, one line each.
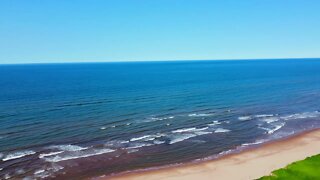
(249,164)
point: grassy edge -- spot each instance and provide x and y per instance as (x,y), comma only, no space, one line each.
(308,168)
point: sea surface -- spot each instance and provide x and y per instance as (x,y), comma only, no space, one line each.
(74,121)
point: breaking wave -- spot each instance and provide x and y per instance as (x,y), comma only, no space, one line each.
(17,155)
(77,155)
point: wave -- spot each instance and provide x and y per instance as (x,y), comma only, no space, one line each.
(68,147)
(158,142)
(273,129)
(147,137)
(41,173)
(275,117)
(255,142)
(200,114)
(78,154)
(7,176)
(193,129)
(303,115)
(141,138)
(46,171)
(244,118)
(17,155)
(270,119)
(50,154)
(116,143)
(221,130)
(152,119)
(263,115)
(202,133)
(180,137)
(276,128)
(138,145)
(132,150)
(214,123)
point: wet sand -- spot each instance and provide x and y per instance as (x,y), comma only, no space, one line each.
(249,164)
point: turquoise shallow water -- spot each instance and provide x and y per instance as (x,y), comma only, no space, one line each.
(84,120)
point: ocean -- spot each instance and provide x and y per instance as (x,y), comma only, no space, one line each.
(77,121)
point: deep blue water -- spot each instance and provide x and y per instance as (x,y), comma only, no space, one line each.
(86,120)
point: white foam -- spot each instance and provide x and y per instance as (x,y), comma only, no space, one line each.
(270,119)
(55,168)
(276,128)
(132,150)
(221,130)
(156,119)
(263,115)
(140,138)
(244,118)
(68,147)
(255,143)
(264,128)
(152,119)
(103,128)
(202,132)
(7,176)
(304,115)
(116,143)
(184,130)
(138,145)
(200,114)
(39,171)
(50,154)
(226,152)
(158,142)
(78,154)
(180,137)
(147,137)
(193,129)
(214,123)
(17,155)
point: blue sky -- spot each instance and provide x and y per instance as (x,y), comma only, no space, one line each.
(40,31)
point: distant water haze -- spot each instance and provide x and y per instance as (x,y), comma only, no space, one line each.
(86,120)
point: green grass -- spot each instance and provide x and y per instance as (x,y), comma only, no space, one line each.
(305,169)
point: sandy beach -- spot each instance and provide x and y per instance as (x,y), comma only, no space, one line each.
(249,164)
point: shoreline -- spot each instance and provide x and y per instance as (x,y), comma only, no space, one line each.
(250,163)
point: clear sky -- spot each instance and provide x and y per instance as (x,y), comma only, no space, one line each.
(39,31)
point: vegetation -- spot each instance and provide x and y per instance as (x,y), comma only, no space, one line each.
(305,169)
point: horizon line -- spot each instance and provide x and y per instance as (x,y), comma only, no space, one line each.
(167,60)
